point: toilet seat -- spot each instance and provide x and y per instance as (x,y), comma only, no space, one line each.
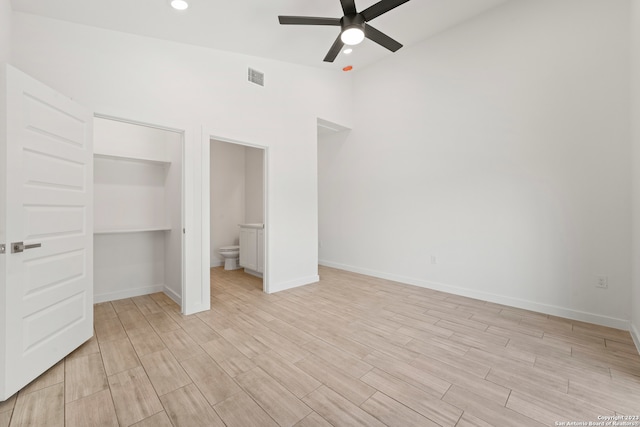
(229,248)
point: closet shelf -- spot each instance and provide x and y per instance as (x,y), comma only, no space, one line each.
(131,159)
(131,230)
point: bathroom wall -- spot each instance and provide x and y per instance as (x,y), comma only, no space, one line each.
(227,196)
(254,185)
(496,165)
(237,193)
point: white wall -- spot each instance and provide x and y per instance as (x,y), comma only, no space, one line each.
(254,186)
(5,30)
(501,149)
(117,138)
(635,159)
(227,196)
(187,87)
(127,265)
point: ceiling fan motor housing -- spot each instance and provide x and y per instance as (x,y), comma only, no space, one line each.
(352,21)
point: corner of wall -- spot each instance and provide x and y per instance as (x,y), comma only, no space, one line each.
(635,335)
(273,288)
(173,295)
(634,324)
(5,31)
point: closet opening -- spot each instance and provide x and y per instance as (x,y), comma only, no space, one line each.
(138,210)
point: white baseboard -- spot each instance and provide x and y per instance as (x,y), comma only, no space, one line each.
(635,334)
(293,284)
(173,295)
(216,263)
(198,308)
(253,273)
(129,293)
(568,313)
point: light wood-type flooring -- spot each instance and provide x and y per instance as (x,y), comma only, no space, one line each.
(348,351)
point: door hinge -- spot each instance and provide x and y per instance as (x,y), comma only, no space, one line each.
(3,248)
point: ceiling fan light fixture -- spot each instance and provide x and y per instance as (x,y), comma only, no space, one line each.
(354,25)
(179,4)
(352,36)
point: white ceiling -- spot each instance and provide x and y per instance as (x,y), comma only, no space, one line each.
(251,26)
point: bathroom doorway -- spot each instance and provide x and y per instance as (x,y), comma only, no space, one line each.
(237,214)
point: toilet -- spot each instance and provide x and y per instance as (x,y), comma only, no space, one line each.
(231,254)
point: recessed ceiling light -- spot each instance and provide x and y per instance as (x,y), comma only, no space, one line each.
(347,51)
(179,4)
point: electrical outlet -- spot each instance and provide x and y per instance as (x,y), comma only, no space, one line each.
(603,282)
(433,259)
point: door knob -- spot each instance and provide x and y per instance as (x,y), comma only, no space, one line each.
(17,247)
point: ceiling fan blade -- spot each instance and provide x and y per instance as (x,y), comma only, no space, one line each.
(381,7)
(381,38)
(308,20)
(335,50)
(348,7)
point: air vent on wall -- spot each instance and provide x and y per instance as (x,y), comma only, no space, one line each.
(256,77)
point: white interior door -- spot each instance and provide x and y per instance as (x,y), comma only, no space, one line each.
(48,307)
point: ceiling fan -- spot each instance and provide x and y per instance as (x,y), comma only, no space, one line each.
(354,25)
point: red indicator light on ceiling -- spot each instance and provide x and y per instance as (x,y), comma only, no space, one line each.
(347,68)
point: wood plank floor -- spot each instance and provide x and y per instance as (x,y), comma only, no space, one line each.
(350,350)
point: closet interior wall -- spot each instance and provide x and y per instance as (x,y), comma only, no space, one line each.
(138,211)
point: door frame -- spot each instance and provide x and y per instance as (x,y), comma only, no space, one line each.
(207,136)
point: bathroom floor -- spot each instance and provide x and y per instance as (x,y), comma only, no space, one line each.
(349,350)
